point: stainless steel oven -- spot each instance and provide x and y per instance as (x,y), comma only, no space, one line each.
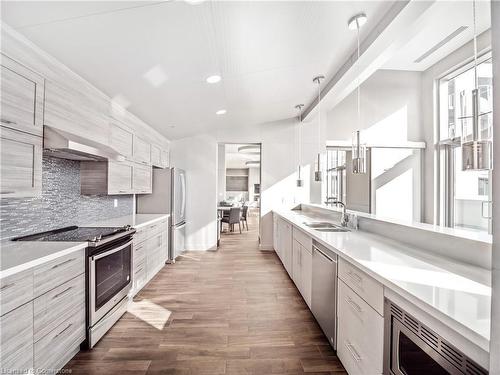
(411,348)
(109,281)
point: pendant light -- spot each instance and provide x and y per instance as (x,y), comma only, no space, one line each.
(317,172)
(476,142)
(299,177)
(358,148)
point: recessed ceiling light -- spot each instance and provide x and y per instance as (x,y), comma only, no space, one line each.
(221,112)
(214,79)
(355,22)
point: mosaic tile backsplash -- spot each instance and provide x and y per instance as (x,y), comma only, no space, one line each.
(60,204)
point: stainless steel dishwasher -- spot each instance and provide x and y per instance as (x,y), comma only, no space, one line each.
(324,291)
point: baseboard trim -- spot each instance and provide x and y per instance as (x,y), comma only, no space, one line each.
(266,247)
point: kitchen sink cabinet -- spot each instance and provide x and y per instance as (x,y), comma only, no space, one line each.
(21,98)
(283,244)
(21,164)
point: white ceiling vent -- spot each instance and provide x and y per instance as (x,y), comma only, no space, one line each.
(458,31)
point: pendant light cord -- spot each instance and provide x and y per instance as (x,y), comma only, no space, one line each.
(319,115)
(476,82)
(359,80)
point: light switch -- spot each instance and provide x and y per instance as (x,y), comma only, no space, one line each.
(115,202)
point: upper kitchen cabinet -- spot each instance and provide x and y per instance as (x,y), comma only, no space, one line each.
(77,109)
(106,177)
(159,156)
(121,139)
(142,150)
(143,179)
(21,164)
(21,98)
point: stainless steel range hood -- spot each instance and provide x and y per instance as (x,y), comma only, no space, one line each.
(66,145)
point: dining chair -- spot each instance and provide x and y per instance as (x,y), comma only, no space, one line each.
(233,218)
(244,214)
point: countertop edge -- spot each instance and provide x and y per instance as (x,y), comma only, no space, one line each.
(38,261)
(469,334)
(163,216)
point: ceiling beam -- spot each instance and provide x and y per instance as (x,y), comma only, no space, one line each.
(399,24)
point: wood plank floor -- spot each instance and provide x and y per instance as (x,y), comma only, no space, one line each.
(233,311)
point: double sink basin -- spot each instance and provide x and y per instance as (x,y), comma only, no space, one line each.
(324,226)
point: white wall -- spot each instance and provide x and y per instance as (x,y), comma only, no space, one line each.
(390,109)
(221,172)
(495,314)
(198,156)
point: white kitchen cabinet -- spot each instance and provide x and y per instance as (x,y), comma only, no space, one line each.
(121,139)
(360,338)
(276,235)
(21,99)
(285,245)
(165,158)
(20,164)
(306,274)
(296,267)
(142,179)
(142,150)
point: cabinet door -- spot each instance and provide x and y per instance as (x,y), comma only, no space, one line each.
(306,274)
(296,271)
(143,179)
(21,98)
(142,151)
(121,139)
(79,110)
(20,164)
(16,343)
(165,158)
(275,234)
(156,156)
(120,178)
(287,246)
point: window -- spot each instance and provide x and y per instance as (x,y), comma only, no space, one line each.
(465,196)
(335,175)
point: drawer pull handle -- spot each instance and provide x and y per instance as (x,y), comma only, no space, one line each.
(354,304)
(355,276)
(7,192)
(64,330)
(139,270)
(7,286)
(7,122)
(60,264)
(63,292)
(353,352)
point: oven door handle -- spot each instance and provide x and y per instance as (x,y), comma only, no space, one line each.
(112,251)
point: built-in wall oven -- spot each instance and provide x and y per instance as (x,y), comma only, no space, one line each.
(411,348)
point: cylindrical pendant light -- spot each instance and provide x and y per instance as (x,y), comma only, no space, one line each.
(299,146)
(358,149)
(317,172)
(476,143)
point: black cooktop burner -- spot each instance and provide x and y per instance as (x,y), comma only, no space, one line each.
(74,233)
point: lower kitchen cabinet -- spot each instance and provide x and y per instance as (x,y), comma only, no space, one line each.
(150,253)
(43,333)
(283,247)
(360,338)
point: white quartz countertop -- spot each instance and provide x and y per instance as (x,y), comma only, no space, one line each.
(22,255)
(136,221)
(17,256)
(456,293)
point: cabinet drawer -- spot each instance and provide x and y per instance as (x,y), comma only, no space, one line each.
(57,272)
(16,333)
(16,290)
(51,351)
(302,238)
(140,251)
(58,305)
(365,286)
(140,275)
(361,333)
(140,236)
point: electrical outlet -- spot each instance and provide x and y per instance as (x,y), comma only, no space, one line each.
(115,202)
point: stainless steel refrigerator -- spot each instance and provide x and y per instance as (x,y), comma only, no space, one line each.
(169,196)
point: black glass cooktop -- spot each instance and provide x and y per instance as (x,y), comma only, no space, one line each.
(74,233)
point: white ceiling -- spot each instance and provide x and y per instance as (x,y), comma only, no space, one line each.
(235,159)
(266,53)
(442,19)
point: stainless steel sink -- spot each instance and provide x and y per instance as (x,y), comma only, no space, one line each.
(324,226)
